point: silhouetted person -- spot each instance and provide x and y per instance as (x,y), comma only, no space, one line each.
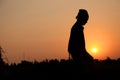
(76,46)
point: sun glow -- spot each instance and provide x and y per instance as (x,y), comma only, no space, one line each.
(94,50)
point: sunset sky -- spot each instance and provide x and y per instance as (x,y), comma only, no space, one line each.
(40,29)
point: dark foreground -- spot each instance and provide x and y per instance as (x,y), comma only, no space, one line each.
(61,70)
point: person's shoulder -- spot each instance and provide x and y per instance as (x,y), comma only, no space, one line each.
(77,26)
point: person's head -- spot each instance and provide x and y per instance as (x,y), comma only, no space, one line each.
(82,16)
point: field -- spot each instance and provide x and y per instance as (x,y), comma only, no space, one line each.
(54,69)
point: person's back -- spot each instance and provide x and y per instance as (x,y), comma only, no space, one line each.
(76,46)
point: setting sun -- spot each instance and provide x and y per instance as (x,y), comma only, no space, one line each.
(94,50)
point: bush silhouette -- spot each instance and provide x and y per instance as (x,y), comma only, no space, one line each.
(63,69)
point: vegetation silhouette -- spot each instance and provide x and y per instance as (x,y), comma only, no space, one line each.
(61,69)
(76,46)
(1,60)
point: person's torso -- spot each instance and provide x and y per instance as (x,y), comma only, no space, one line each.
(77,40)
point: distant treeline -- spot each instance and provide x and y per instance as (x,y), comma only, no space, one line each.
(60,70)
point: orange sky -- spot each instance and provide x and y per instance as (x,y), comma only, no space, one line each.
(40,29)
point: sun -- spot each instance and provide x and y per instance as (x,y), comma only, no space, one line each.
(94,50)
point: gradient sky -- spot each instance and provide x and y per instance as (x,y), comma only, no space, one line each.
(40,29)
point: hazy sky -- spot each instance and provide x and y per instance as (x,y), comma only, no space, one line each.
(40,29)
